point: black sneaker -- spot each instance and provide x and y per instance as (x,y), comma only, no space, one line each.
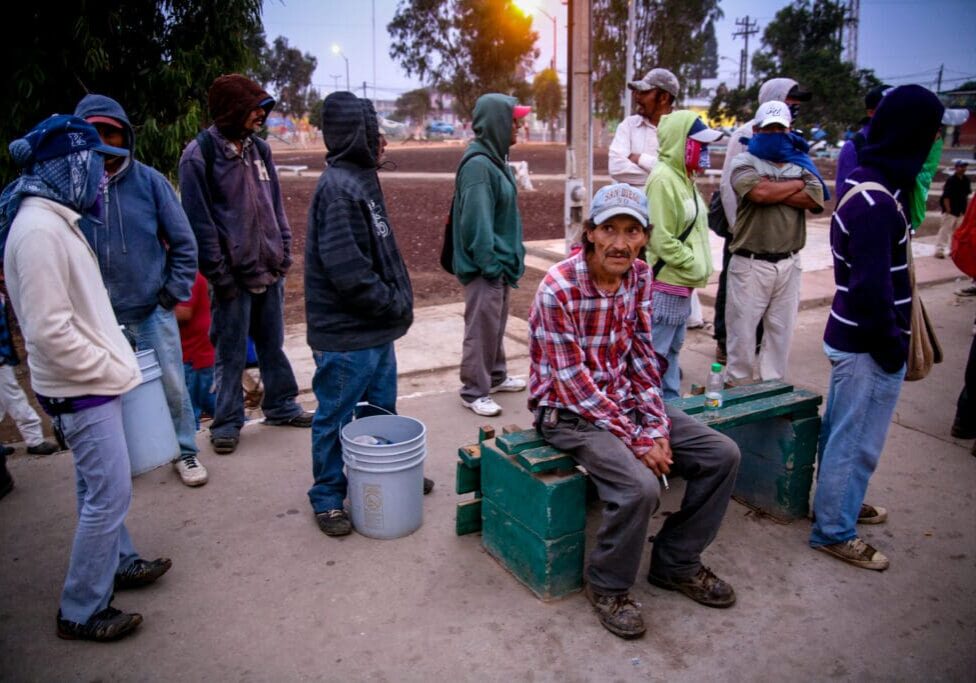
(428,485)
(43,448)
(107,625)
(617,613)
(6,481)
(223,445)
(704,588)
(303,419)
(6,450)
(142,573)
(334,523)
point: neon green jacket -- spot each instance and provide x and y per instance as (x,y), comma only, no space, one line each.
(923,182)
(673,202)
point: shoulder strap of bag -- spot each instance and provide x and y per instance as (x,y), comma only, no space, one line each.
(862,187)
(209,152)
(659,264)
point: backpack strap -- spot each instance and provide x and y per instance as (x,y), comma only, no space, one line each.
(862,187)
(209,152)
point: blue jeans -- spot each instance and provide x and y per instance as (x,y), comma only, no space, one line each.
(667,340)
(103,480)
(343,379)
(860,405)
(199,384)
(262,317)
(161,332)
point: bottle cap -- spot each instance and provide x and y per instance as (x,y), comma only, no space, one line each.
(716,367)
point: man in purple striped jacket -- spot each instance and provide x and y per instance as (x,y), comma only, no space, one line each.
(869,325)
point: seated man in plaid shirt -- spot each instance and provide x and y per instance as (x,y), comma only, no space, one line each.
(595,384)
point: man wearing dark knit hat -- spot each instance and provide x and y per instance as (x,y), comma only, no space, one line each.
(231,195)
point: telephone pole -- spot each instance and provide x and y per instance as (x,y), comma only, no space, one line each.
(747,27)
(938,85)
(851,19)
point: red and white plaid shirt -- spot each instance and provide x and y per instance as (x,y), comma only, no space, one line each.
(591,352)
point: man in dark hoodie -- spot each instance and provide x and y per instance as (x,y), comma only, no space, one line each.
(231,195)
(867,333)
(489,257)
(358,298)
(147,255)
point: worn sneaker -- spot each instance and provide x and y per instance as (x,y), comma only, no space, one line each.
(940,252)
(334,522)
(960,431)
(966,291)
(872,514)
(428,485)
(303,419)
(510,384)
(142,573)
(6,481)
(483,406)
(704,587)
(191,471)
(619,614)
(43,448)
(856,552)
(224,445)
(105,626)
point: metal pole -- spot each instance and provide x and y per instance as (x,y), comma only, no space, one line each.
(374,50)
(554,30)
(579,149)
(629,70)
(347,71)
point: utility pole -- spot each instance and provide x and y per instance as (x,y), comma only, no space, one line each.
(938,85)
(852,15)
(747,28)
(364,90)
(579,124)
(629,71)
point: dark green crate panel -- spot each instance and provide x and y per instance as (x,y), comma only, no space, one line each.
(468,517)
(776,470)
(551,504)
(549,568)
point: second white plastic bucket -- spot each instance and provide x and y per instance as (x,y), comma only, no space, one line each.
(149,431)
(386,480)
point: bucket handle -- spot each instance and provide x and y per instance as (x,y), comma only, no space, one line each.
(365,404)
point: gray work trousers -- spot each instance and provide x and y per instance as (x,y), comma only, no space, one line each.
(706,459)
(483,354)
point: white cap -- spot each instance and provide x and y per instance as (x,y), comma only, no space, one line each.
(772,112)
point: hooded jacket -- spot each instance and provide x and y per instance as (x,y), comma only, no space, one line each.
(869,235)
(773,89)
(673,204)
(145,247)
(357,290)
(487,224)
(242,233)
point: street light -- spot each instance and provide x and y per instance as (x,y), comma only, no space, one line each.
(527,7)
(336,50)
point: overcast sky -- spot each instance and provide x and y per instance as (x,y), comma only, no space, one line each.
(904,41)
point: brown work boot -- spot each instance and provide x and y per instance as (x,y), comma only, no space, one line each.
(856,552)
(704,587)
(618,613)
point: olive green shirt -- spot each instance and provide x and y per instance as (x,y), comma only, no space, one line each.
(770,228)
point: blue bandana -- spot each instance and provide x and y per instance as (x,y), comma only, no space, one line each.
(785,147)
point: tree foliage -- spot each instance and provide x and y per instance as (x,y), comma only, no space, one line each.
(156,57)
(463,47)
(413,106)
(289,74)
(547,96)
(672,34)
(803,42)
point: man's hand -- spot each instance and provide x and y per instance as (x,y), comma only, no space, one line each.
(656,456)
(634,158)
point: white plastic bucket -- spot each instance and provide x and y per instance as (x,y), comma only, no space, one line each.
(148,425)
(386,481)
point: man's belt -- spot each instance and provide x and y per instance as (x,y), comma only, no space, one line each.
(772,258)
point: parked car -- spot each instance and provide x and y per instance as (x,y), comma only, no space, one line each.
(439,128)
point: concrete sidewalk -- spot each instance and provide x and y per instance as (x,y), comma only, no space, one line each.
(257,593)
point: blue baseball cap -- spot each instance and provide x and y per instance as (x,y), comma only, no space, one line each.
(616,199)
(58,136)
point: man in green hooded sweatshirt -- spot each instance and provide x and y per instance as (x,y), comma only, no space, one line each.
(489,257)
(678,251)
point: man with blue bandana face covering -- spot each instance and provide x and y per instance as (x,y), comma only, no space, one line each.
(776,183)
(80,362)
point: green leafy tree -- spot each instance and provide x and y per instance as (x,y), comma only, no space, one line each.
(289,74)
(803,42)
(413,106)
(463,47)
(668,33)
(707,66)
(156,57)
(547,96)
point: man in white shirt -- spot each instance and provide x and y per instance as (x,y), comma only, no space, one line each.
(633,151)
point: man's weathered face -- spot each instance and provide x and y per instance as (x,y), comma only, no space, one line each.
(111,135)
(255,120)
(771,128)
(652,103)
(617,242)
(960,170)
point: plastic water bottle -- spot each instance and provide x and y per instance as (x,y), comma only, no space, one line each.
(714,386)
